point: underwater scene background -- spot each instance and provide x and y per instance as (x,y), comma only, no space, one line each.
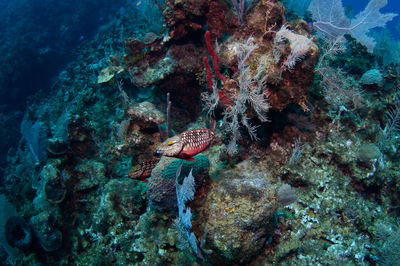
(199,132)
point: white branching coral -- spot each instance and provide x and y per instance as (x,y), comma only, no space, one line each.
(210,101)
(299,46)
(250,93)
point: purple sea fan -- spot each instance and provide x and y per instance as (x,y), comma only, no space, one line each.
(241,8)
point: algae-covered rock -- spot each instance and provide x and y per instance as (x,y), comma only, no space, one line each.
(155,74)
(51,188)
(55,189)
(368,153)
(162,191)
(49,237)
(90,173)
(120,199)
(108,73)
(53,185)
(146,115)
(239,215)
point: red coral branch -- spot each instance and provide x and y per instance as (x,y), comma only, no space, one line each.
(221,93)
(214,58)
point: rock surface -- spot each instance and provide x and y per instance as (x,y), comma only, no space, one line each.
(239,215)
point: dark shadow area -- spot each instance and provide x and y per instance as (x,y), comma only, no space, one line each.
(37,42)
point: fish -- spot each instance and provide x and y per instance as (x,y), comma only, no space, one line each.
(187,144)
(138,3)
(144,170)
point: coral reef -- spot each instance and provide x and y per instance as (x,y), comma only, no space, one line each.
(120,200)
(301,166)
(283,87)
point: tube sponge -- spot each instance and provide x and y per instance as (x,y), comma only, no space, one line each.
(198,166)
(18,233)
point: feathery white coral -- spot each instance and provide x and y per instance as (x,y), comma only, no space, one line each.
(299,46)
(250,93)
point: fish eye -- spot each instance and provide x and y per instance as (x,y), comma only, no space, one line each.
(158,153)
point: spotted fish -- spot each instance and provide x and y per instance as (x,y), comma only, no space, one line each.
(187,144)
(144,170)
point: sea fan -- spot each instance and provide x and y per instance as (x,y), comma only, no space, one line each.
(36,139)
(180,231)
(330,20)
(185,193)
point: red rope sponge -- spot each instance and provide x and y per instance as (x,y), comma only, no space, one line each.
(214,58)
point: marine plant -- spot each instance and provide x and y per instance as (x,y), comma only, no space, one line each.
(149,15)
(340,90)
(388,243)
(242,7)
(185,193)
(250,93)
